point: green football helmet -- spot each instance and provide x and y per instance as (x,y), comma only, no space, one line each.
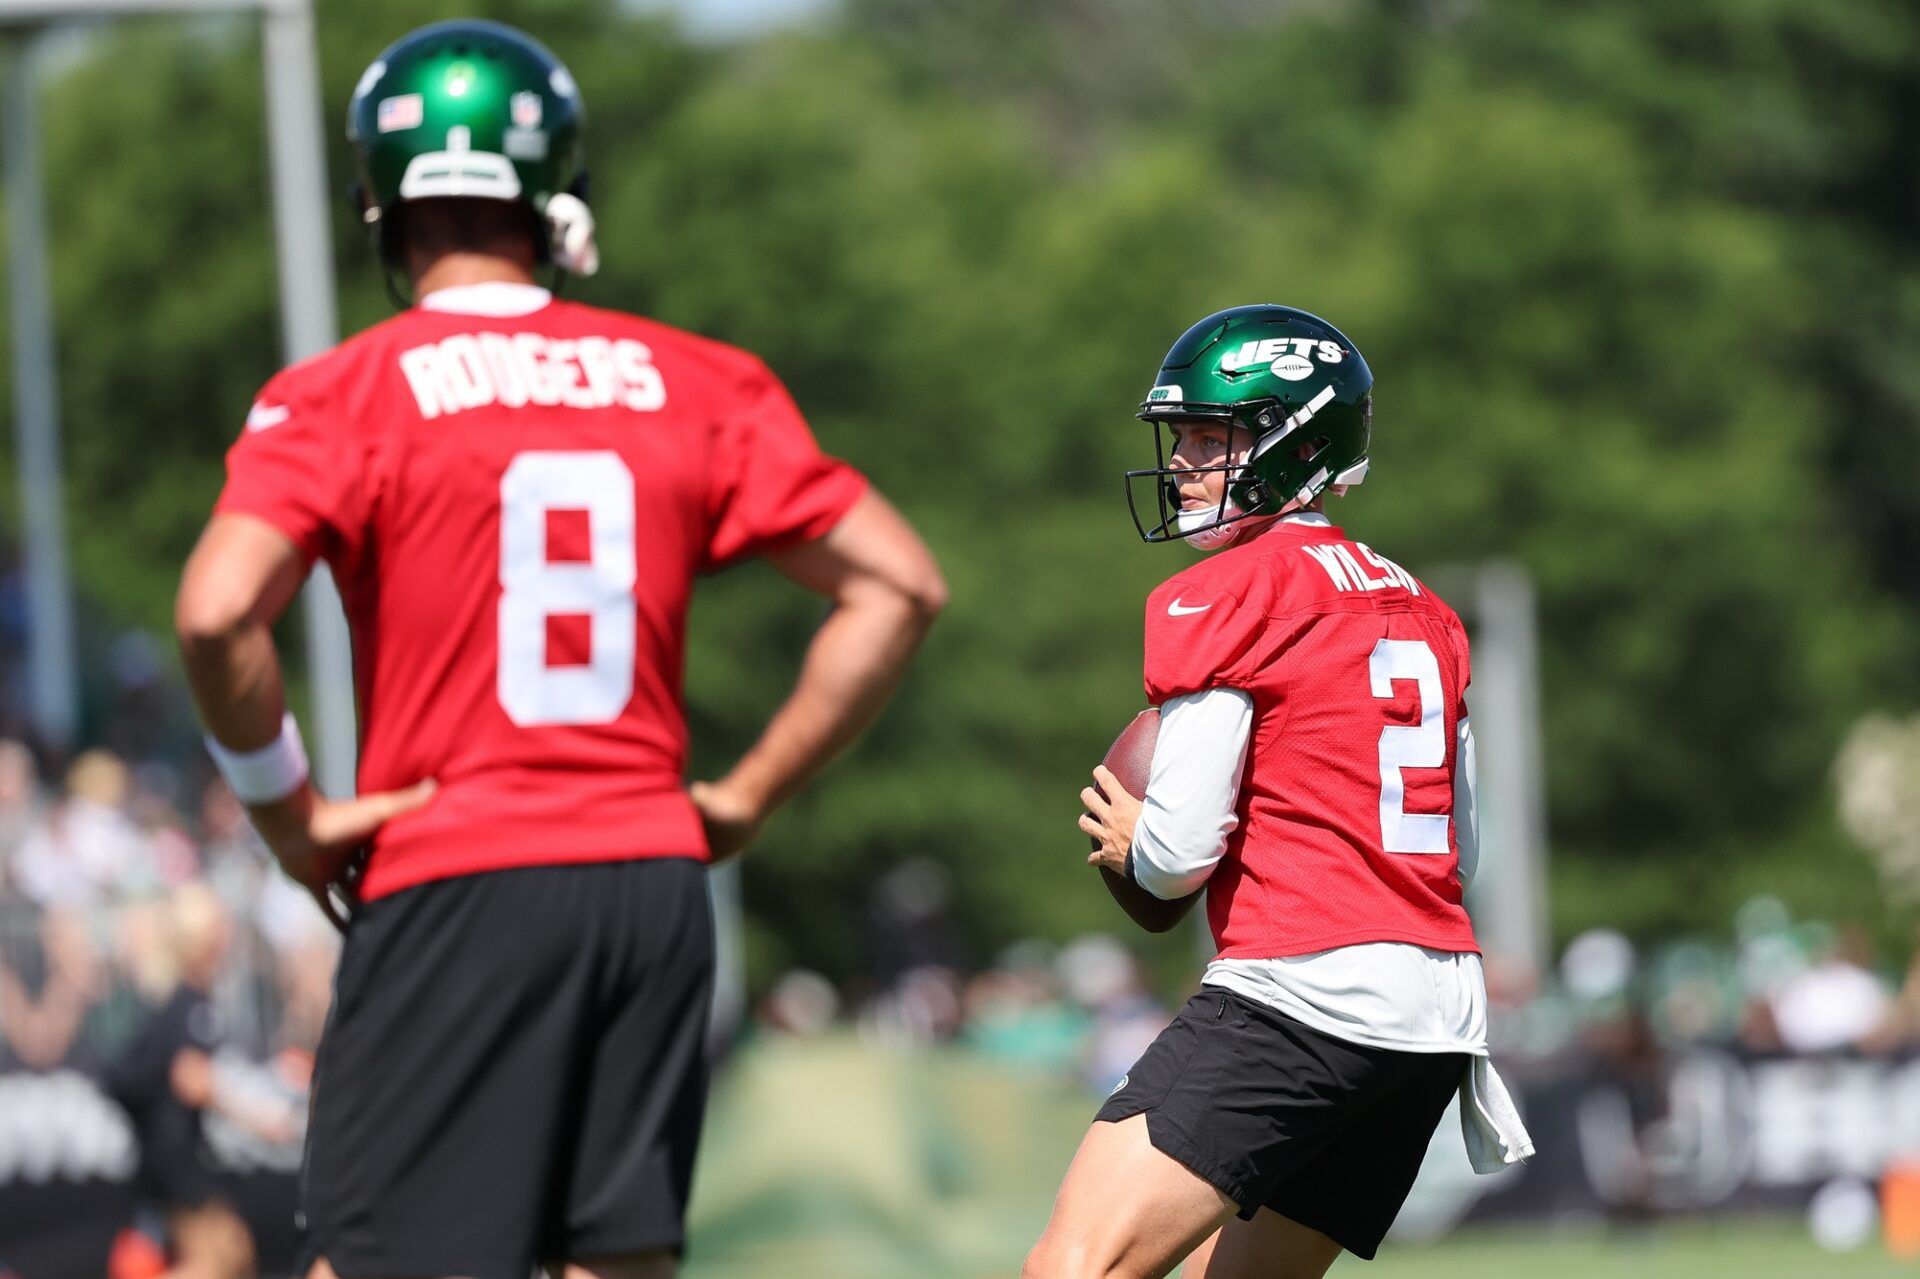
(1297,386)
(480,110)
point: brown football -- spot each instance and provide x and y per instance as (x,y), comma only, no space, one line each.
(1131,760)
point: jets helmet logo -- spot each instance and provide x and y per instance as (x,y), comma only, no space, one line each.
(1285,357)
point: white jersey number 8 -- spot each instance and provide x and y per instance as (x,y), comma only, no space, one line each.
(533,589)
(1422,745)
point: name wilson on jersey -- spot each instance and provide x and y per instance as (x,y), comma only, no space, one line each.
(470,370)
(1348,575)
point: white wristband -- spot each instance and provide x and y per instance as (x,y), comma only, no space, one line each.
(269,774)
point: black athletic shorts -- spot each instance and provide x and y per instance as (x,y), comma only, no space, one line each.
(513,1072)
(1277,1115)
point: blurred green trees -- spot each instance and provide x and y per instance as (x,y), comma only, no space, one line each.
(1639,284)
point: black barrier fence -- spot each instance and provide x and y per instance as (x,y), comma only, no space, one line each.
(68,1159)
(1714,1131)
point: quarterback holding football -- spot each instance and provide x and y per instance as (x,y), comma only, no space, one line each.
(1313,775)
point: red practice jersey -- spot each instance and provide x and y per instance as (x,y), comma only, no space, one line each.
(1358,675)
(515,505)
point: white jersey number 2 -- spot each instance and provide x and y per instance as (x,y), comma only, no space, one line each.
(1422,745)
(534,589)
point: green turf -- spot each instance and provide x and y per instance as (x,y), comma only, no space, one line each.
(1735,1249)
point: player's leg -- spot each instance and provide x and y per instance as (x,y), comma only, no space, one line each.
(1267,1111)
(210,1241)
(1154,1175)
(1125,1210)
(1268,1247)
(1350,1193)
(641,1092)
(446,1075)
(323,1269)
(652,1265)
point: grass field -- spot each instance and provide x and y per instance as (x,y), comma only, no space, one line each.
(835,1159)
(1742,1247)
(1735,1249)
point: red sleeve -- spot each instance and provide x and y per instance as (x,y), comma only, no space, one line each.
(1463,666)
(772,486)
(300,470)
(1200,637)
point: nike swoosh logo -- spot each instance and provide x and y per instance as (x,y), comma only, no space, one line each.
(1176,609)
(265,417)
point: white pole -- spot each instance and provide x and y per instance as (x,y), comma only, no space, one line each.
(295,143)
(1510,891)
(53,683)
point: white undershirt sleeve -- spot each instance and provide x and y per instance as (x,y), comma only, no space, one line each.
(1188,811)
(1466,811)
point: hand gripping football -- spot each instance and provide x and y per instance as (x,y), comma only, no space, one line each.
(1131,760)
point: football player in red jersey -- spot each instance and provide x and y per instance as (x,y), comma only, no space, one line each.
(1313,775)
(516,494)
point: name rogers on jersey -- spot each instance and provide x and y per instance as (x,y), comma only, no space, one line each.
(469,370)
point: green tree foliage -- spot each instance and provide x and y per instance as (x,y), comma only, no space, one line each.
(1638,282)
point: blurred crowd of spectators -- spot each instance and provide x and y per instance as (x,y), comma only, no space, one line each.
(110,893)
(111,883)
(1775,985)
(151,948)
(1082,1010)
(148,943)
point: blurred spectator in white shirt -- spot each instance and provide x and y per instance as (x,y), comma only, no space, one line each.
(86,849)
(1836,1003)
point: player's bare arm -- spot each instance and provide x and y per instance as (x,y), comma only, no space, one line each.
(886,591)
(517,583)
(240,578)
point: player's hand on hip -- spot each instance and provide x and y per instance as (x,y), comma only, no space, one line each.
(732,816)
(315,839)
(1110,818)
